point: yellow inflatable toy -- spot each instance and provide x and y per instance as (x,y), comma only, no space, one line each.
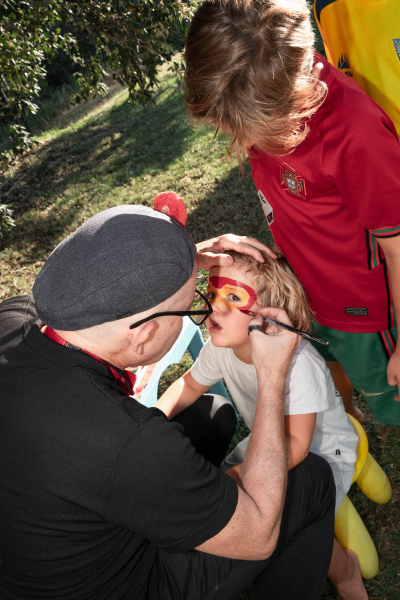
(350,531)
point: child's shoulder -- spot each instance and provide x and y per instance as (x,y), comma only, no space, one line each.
(309,385)
(306,356)
(346,103)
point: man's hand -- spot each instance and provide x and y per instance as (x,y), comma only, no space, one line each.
(209,253)
(263,474)
(274,349)
(393,372)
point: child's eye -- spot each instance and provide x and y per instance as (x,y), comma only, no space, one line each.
(234,298)
(210,295)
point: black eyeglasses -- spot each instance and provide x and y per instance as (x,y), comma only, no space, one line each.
(197,316)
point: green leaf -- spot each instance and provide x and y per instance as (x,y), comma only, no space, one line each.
(133,36)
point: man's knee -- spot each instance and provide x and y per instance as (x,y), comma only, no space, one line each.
(222,414)
(314,478)
(210,424)
(210,409)
(315,464)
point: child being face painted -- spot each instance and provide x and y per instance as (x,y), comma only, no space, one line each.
(247,286)
(229,290)
(314,414)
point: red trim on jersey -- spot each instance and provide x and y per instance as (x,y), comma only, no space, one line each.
(386,232)
(389,302)
(388,342)
(374,251)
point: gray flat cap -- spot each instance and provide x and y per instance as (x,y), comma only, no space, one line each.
(122,261)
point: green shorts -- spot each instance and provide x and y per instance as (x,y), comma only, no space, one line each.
(364,358)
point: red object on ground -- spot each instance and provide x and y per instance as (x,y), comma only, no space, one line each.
(170,204)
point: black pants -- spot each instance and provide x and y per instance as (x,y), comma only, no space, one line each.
(298,567)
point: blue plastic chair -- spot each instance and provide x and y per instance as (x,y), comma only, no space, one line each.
(191,339)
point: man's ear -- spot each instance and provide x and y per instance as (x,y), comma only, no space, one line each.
(141,335)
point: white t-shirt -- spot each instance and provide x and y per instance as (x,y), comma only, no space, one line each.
(309,388)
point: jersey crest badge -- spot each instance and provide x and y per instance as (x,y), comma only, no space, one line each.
(293,182)
(344,65)
(267,208)
(396,42)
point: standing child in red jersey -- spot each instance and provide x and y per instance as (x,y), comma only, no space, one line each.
(325,160)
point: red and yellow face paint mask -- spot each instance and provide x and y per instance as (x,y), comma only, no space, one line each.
(230,294)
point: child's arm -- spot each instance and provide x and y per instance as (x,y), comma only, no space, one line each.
(234,473)
(391,248)
(299,430)
(181,394)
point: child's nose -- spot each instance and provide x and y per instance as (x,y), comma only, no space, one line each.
(220,307)
(214,304)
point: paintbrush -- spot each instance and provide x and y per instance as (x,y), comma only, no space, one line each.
(303,334)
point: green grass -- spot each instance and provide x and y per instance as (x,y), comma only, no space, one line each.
(111,152)
(116,154)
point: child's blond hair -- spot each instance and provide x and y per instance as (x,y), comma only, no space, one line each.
(249,72)
(276,285)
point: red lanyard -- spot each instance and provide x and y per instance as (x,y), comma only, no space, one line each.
(131,377)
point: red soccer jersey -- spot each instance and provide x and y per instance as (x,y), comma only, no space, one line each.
(328,201)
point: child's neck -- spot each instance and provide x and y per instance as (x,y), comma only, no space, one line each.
(243,353)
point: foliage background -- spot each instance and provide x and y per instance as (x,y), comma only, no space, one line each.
(110,151)
(131,37)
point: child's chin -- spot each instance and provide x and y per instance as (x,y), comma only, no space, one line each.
(217,340)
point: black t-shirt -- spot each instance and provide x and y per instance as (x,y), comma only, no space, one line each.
(91,481)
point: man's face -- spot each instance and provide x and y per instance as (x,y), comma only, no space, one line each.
(169,327)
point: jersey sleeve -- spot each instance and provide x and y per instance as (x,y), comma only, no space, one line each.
(307,385)
(362,155)
(386,232)
(163,489)
(206,369)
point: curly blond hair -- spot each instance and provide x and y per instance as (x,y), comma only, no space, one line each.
(277,285)
(249,72)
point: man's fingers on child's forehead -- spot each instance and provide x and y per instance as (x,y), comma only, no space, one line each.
(253,248)
(271,253)
(207,260)
(252,251)
(226,260)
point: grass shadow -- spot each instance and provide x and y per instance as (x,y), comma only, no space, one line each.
(72,114)
(234,206)
(121,143)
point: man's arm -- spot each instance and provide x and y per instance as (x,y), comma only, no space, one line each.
(391,249)
(209,252)
(181,394)
(299,431)
(252,532)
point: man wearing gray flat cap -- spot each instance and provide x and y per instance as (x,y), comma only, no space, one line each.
(103,498)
